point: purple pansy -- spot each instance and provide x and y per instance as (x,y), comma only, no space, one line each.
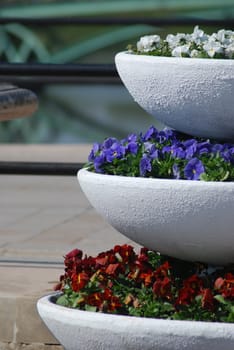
(231,153)
(94,151)
(193,169)
(145,165)
(228,154)
(176,150)
(115,151)
(203,147)
(132,138)
(151,133)
(98,162)
(165,135)
(154,154)
(151,150)
(132,147)
(190,148)
(217,148)
(176,171)
(109,142)
(170,134)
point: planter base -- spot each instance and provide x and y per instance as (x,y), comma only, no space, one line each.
(84,330)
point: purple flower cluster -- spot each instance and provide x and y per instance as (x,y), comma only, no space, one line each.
(164,154)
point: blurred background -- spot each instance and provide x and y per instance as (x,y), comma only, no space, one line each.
(74,112)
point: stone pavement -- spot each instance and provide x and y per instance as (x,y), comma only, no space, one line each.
(41,219)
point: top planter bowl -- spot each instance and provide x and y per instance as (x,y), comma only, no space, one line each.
(191,95)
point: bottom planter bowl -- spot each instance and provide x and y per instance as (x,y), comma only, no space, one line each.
(189,220)
(84,330)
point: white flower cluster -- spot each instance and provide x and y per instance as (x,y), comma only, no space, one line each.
(148,43)
(197,44)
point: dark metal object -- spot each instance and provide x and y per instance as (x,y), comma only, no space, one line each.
(48,73)
(38,69)
(31,263)
(39,168)
(228,22)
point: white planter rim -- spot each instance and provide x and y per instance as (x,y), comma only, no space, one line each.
(181,60)
(90,330)
(128,180)
(125,321)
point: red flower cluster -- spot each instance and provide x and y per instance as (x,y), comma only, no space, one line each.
(113,280)
(225,286)
(192,287)
(162,286)
(99,271)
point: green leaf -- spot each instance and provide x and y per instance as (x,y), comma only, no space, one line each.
(221,299)
(90,308)
(63,301)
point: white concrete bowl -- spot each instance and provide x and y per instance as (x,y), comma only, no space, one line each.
(190,220)
(85,330)
(191,95)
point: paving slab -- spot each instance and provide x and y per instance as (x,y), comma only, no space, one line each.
(41,219)
(45,152)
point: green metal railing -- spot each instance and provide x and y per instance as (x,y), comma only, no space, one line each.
(21,41)
(30,55)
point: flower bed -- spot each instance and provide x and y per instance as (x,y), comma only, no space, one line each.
(195,45)
(147,284)
(164,154)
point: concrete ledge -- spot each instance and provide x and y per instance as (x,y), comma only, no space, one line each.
(23,324)
(45,153)
(19,320)
(41,219)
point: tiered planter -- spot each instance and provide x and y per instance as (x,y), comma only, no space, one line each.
(190,220)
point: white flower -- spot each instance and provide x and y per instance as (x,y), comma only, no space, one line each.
(171,40)
(198,36)
(229,51)
(194,53)
(175,40)
(221,36)
(226,37)
(197,44)
(213,47)
(148,43)
(180,50)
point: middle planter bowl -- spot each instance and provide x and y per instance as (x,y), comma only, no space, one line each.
(185,219)
(191,95)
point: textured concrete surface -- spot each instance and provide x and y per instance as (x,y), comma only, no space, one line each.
(41,219)
(200,102)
